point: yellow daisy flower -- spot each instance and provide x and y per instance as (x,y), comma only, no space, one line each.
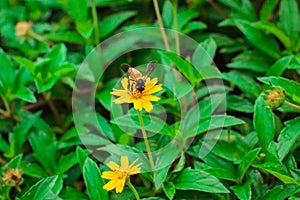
(140,99)
(119,174)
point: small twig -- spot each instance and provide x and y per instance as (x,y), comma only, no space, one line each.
(39,38)
(217,8)
(53,109)
(163,33)
(176,27)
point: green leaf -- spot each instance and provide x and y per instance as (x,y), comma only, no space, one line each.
(72,193)
(250,60)
(194,26)
(112,22)
(279,66)
(243,191)
(42,141)
(25,94)
(66,162)
(28,64)
(4,146)
(204,54)
(20,132)
(264,123)
(267,9)
(69,37)
(240,104)
(246,162)
(167,14)
(184,66)
(264,42)
(244,82)
(290,87)
(276,170)
(184,15)
(196,179)
(152,124)
(242,9)
(169,189)
(35,170)
(213,122)
(47,188)
(93,180)
(81,156)
(7,75)
(79,12)
(166,157)
(289,18)
(288,137)
(272,28)
(224,174)
(282,191)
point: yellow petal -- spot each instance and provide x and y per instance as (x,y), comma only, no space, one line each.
(110,175)
(113,166)
(150,98)
(110,185)
(122,99)
(147,105)
(124,83)
(124,163)
(119,92)
(120,185)
(153,89)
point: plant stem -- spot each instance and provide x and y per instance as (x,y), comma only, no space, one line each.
(146,140)
(95,22)
(39,37)
(292,105)
(53,108)
(136,194)
(6,105)
(176,27)
(163,33)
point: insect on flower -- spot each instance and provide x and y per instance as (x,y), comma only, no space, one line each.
(137,78)
(138,89)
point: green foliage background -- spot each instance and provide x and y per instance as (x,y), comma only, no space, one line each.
(255,45)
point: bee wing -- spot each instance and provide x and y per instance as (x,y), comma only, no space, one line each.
(129,70)
(150,68)
(125,67)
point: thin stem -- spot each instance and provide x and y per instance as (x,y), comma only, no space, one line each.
(6,105)
(95,22)
(136,194)
(292,105)
(146,140)
(163,33)
(39,37)
(176,27)
(53,108)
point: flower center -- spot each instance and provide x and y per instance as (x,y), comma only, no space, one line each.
(137,94)
(122,175)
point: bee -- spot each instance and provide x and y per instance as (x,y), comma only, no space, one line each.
(137,78)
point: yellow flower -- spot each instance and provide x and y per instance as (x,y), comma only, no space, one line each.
(140,99)
(119,174)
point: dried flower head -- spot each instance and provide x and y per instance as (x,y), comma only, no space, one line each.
(12,177)
(23,28)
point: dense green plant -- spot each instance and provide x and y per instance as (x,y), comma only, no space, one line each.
(245,148)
